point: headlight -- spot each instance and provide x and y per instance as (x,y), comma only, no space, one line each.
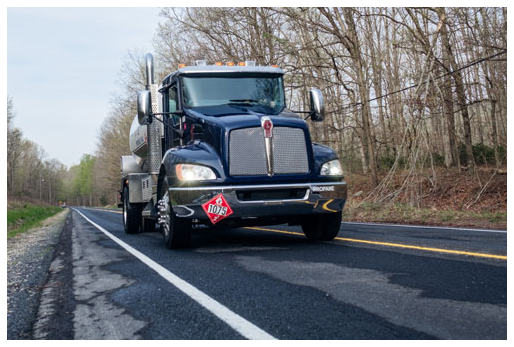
(332,168)
(187,172)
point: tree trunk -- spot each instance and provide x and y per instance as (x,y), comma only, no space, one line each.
(459,89)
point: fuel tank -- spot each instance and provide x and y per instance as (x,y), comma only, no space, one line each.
(138,139)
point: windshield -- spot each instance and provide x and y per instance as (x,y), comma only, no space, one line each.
(263,94)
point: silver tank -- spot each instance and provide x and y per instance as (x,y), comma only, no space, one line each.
(138,139)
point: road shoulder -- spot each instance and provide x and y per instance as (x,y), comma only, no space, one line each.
(29,256)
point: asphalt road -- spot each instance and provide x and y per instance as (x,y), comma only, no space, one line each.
(372,282)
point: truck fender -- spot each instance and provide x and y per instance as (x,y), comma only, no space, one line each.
(198,153)
(322,154)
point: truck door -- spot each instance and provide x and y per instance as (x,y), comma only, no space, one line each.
(172,137)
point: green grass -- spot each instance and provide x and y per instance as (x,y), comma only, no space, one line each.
(25,216)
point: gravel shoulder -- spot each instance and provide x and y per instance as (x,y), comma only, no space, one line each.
(28,258)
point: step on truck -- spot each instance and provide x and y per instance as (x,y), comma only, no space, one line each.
(215,145)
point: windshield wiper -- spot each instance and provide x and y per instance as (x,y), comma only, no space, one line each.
(243,101)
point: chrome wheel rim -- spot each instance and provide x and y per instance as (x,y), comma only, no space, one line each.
(164,216)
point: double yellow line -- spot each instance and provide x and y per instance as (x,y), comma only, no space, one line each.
(398,245)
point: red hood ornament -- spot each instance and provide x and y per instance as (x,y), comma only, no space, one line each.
(267,127)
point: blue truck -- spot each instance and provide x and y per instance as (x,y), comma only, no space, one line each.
(215,145)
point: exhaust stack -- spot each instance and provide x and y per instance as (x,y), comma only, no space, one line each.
(149,70)
(154,134)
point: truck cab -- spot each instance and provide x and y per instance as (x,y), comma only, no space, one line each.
(215,145)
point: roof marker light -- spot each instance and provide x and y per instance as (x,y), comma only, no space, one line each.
(218,63)
(274,65)
(230,64)
(242,63)
(181,66)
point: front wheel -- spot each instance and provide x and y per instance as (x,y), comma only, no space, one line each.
(322,227)
(176,231)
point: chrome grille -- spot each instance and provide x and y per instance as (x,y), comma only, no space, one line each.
(289,151)
(247,153)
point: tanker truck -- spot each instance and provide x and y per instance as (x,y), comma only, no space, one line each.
(215,145)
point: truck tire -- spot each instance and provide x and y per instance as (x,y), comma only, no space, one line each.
(176,231)
(322,227)
(131,214)
(148,225)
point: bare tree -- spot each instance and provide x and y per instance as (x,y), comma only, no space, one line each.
(405,88)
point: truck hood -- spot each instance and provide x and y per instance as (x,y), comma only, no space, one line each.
(232,117)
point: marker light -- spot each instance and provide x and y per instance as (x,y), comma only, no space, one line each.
(242,63)
(274,65)
(332,168)
(230,64)
(218,63)
(181,66)
(187,172)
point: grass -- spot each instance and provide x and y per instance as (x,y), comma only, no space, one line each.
(405,214)
(22,217)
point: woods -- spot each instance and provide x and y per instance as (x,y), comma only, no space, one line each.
(407,90)
(29,173)
(31,176)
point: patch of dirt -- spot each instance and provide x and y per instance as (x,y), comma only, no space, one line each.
(483,192)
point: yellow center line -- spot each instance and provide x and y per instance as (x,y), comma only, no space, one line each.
(388,244)
(398,245)
(97,209)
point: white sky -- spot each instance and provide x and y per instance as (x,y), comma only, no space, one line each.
(62,69)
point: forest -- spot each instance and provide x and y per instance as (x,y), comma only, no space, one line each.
(413,95)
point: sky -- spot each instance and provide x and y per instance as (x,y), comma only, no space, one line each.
(63,65)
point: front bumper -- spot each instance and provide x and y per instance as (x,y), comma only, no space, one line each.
(254,201)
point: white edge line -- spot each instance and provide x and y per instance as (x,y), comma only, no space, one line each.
(235,321)
(427,227)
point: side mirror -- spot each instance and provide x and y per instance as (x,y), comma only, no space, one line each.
(317,105)
(144,106)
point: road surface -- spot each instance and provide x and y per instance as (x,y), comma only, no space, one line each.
(372,282)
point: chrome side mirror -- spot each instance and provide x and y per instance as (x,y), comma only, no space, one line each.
(144,106)
(317,105)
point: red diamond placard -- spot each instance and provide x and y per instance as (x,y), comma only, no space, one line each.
(217,208)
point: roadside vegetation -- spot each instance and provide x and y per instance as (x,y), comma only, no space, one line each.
(22,215)
(416,105)
(405,214)
(447,197)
